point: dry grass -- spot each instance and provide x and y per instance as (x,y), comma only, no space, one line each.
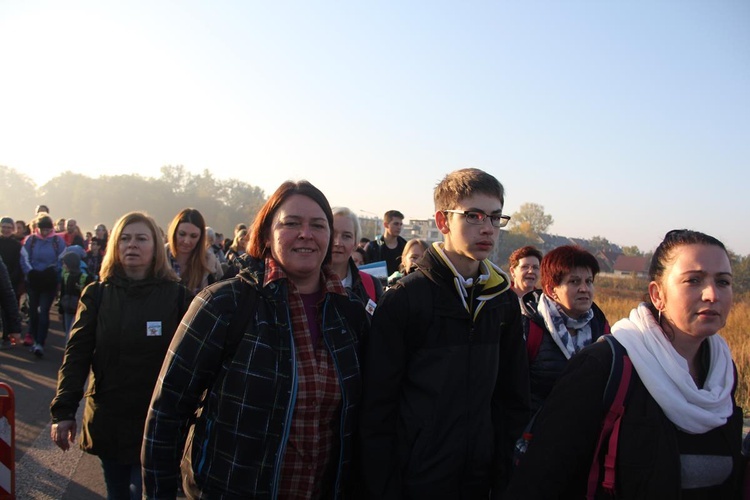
(617,298)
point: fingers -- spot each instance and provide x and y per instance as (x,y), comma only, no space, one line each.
(63,434)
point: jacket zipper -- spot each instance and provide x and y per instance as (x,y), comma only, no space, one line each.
(289,413)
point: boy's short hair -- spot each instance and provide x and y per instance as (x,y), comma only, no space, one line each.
(465,183)
(392,214)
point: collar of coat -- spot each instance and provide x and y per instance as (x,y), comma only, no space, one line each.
(491,280)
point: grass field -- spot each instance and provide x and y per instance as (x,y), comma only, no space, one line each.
(616,297)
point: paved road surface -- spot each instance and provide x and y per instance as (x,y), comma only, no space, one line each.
(43,471)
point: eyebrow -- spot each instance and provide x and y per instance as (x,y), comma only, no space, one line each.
(701,271)
(499,211)
(290,216)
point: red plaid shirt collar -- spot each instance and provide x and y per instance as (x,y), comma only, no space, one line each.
(330,281)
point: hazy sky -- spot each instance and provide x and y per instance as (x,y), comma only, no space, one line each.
(623,119)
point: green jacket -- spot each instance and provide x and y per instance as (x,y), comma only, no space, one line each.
(121,337)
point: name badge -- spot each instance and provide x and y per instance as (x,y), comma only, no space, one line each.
(370,307)
(153,328)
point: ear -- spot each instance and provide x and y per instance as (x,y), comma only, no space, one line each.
(550,292)
(441,221)
(656,295)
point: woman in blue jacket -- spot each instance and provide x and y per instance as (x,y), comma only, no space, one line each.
(41,266)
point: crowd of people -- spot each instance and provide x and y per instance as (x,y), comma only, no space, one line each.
(273,365)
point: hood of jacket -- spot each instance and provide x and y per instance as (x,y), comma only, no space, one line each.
(492,280)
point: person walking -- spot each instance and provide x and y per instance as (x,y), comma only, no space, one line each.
(264,370)
(679,434)
(120,335)
(41,267)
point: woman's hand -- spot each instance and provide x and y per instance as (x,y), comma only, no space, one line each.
(63,433)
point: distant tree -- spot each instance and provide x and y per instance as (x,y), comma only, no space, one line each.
(530,219)
(19,194)
(632,251)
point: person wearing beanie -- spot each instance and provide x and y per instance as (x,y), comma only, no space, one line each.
(40,265)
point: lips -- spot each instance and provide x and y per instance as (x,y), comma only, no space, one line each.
(709,313)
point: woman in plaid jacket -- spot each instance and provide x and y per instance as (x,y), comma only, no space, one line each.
(269,360)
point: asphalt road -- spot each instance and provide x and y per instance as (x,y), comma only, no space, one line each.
(43,471)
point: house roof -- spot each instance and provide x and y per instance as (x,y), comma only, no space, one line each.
(632,264)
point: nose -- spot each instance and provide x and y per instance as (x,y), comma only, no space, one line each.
(710,293)
(305,232)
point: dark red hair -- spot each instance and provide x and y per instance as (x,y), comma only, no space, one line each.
(561,261)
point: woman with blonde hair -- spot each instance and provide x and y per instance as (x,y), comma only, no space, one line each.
(413,251)
(120,334)
(186,249)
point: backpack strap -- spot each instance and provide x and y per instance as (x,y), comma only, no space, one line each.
(533,340)
(615,397)
(367,282)
(239,319)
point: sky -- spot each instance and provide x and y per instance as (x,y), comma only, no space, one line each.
(622,119)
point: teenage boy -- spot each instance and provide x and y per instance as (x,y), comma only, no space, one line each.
(446,389)
(390,244)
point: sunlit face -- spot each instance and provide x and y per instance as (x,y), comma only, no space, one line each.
(526,274)
(343,240)
(465,243)
(358,258)
(412,256)
(695,294)
(575,293)
(136,248)
(299,238)
(187,238)
(6,229)
(394,226)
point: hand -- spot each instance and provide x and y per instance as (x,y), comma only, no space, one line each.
(63,433)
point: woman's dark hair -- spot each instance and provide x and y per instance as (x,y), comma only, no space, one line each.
(260,230)
(665,254)
(561,261)
(521,253)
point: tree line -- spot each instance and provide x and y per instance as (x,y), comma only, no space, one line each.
(225,203)
(91,201)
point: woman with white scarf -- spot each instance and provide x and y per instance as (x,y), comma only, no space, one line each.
(681,430)
(563,320)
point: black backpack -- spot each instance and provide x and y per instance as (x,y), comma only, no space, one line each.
(615,398)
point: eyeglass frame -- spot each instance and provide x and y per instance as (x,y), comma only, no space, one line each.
(482,216)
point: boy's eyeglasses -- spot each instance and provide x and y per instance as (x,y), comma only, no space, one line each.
(477,217)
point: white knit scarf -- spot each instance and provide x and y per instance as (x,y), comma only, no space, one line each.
(665,374)
(558,323)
